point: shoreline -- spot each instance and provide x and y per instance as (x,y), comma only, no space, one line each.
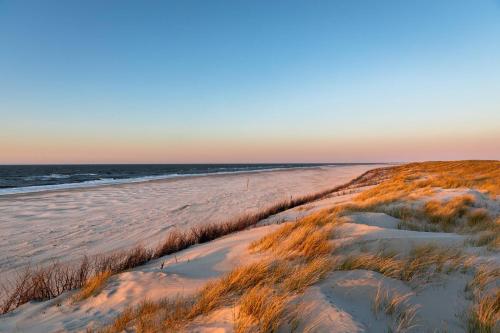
(95,184)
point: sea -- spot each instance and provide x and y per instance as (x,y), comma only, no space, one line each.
(34,178)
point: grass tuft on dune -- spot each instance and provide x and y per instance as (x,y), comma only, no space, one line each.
(92,286)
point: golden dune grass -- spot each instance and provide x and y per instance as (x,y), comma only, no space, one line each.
(237,282)
(484,276)
(261,309)
(238,287)
(92,286)
(399,193)
(486,231)
(422,262)
(397,306)
(388,265)
(447,213)
(309,237)
(478,217)
(300,256)
(421,178)
(305,275)
(168,315)
(388,301)
(120,322)
(484,316)
(489,239)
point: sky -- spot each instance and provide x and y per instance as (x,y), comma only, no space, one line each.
(249,81)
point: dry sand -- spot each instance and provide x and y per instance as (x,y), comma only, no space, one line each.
(67,224)
(182,274)
(340,303)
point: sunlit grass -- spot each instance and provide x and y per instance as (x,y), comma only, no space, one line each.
(261,309)
(280,279)
(299,257)
(484,315)
(397,306)
(92,286)
(422,262)
(419,179)
(307,238)
(449,212)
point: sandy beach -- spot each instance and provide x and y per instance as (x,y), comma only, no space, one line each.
(249,166)
(347,262)
(67,224)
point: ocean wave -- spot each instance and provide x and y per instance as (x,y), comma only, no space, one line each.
(57,176)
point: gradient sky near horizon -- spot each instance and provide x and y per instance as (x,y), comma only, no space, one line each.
(249,81)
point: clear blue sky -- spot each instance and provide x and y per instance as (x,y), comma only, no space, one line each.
(249,81)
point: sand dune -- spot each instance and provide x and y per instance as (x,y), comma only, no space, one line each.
(380,275)
(67,224)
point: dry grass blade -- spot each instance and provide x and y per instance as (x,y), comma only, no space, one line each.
(484,316)
(397,306)
(260,310)
(422,262)
(92,286)
(302,276)
(449,212)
